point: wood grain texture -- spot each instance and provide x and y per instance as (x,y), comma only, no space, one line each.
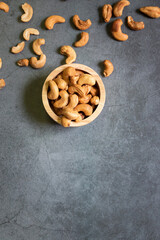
(86,69)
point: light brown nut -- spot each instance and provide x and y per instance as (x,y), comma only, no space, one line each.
(107,12)
(4,7)
(81,25)
(52,20)
(86,89)
(2,83)
(23,62)
(108,68)
(62,84)
(85,99)
(35,63)
(86,79)
(117,32)
(85,108)
(19,48)
(27,8)
(94,91)
(63,101)
(134,25)
(151,11)
(80,118)
(73,101)
(70,113)
(0,63)
(54,91)
(95,100)
(37,45)
(119,6)
(83,41)
(69,52)
(65,122)
(74,80)
(27,32)
(68,73)
(76,89)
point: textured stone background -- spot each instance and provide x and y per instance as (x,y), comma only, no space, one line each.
(98,182)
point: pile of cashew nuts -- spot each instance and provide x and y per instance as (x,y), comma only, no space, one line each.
(73,95)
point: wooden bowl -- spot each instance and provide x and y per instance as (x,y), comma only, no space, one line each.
(86,69)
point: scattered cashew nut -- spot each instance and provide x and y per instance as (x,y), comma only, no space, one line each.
(19,48)
(70,52)
(27,32)
(4,7)
(108,68)
(23,62)
(35,63)
(107,12)
(119,6)
(134,25)
(63,101)
(81,25)
(95,100)
(37,45)
(2,83)
(0,63)
(50,21)
(117,32)
(86,79)
(85,108)
(151,11)
(83,41)
(65,121)
(54,91)
(27,8)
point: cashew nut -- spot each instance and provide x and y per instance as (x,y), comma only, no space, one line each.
(23,62)
(19,48)
(117,32)
(67,73)
(95,100)
(62,84)
(83,41)
(81,25)
(86,89)
(86,79)
(85,99)
(76,89)
(54,91)
(119,6)
(37,45)
(85,108)
(134,25)
(65,121)
(0,63)
(108,68)
(151,11)
(27,8)
(28,32)
(35,63)
(70,113)
(94,91)
(70,52)
(80,118)
(4,7)
(73,101)
(50,21)
(63,101)
(107,12)
(2,83)
(74,80)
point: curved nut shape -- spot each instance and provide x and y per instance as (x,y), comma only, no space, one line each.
(94,91)
(37,45)
(19,48)
(134,25)
(65,122)
(70,113)
(4,7)
(68,73)
(63,101)
(73,101)
(27,8)
(74,80)
(107,12)
(62,84)
(151,11)
(81,25)
(85,99)
(76,89)
(0,63)
(87,79)
(117,32)
(85,108)
(2,83)
(54,91)
(83,41)
(70,52)
(27,32)
(95,100)
(23,62)
(119,6)
(35,63)
(86,89)
(108,68)
(50,21)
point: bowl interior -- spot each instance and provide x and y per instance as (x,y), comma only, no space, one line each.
(86,69)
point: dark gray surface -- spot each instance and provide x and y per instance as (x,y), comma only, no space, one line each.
(98,182)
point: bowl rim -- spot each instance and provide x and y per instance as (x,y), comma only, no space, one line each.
(86,69)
